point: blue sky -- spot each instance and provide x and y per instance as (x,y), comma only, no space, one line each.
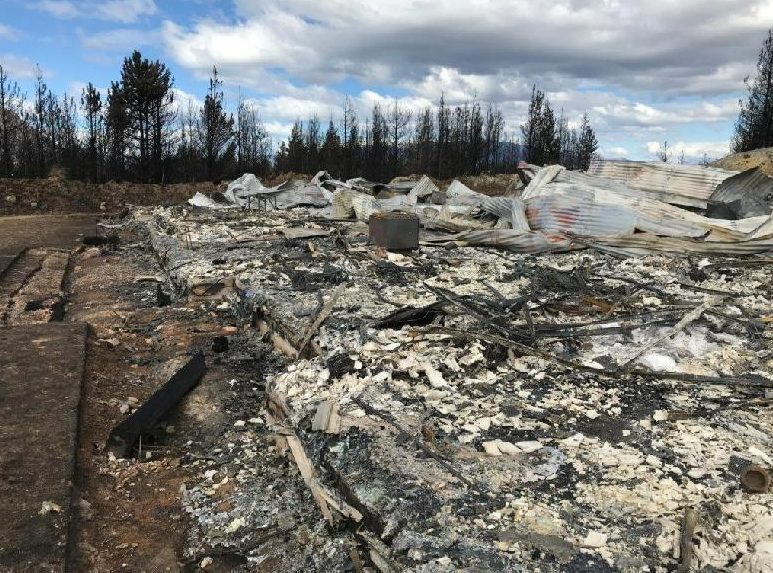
(645,72)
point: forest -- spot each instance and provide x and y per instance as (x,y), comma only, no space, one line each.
(138,132)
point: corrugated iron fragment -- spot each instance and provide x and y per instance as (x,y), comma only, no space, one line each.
(689,185)
(748,194)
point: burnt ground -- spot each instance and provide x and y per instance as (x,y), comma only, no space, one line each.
(212,488)
(133,519)
(40,384)
(60,231)
(126,515)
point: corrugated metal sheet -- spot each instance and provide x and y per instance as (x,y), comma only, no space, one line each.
(424,187)
(750,193)
(302,195)
(764,230)
(498,206)
(651,215)
(519,221)
(542,178)
(648,214)
(459,194)
(511,209)
(641,244)
(578,214)
(689,185)
(533,242)
(645,244)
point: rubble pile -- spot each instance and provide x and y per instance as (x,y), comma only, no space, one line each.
(483,409)
(624,207)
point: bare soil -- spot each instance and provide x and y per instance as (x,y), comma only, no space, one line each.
(759,158)
(56,195)
(130,515)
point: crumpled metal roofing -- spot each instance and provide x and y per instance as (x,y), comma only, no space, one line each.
(689,185)
(640,244)
(646,244)
(578,214)
(530,242)
(570,192)
(747,194)
(510,209)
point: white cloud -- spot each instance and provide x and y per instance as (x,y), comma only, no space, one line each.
(19,67)
(185,102)
(58,8)
(693,150)
(123,11)
(685,47)
(120,39)
(8,33)
(614,152)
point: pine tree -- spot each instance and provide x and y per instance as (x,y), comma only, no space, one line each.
(754,126)
(10,121)
(215,130)
(531,130)
(377,159)
(91,101)
(423,137)
(311,162)
(331,150)
(443,137)
(587,144)
(296,149)
(117,124)
(398,120)
(146,88)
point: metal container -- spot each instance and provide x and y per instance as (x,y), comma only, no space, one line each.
(394,231)
(755,478)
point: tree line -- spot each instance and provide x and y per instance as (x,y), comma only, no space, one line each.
(138,131)
(754,126)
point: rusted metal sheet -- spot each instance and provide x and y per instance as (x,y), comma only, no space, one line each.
(652,215)
(579,215)
(394,231)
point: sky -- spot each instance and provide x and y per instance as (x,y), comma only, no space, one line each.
(645,71)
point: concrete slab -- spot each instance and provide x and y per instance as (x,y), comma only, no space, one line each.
(62,231)
(41,369)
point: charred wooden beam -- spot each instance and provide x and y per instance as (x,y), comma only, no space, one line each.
(123,437)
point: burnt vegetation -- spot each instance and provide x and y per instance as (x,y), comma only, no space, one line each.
(140,131)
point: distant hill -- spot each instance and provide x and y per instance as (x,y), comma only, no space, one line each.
(761,158)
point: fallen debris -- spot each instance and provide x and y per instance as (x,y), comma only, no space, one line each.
(755,479)
(627,208)
(689,524)
(486,408)
(125,435)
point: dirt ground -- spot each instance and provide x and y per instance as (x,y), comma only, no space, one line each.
(56,195)
(760,158)
(130,516)
(126,515)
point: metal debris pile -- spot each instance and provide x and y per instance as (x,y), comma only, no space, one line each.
(621,207)
(472,408)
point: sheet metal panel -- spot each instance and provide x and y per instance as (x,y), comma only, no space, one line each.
(689,185)
(752,189)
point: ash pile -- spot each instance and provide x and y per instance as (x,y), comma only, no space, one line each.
(574,377)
